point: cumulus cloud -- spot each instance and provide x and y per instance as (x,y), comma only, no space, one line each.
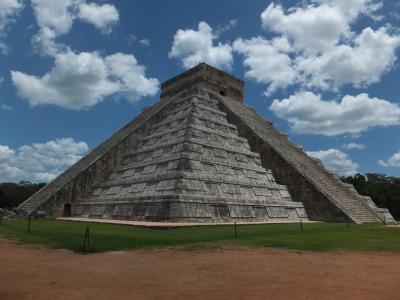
(56,18)
(144,42)
(351,146)
(318,26)
(9,10)
(277,71)
(131,76)
(103,17)
(39,161)
(336,160)
(5,153)
(75,81)
(82,80)
(79,80)
(192,47)
(354,64)
(307,113)
(393,161)
(321,49)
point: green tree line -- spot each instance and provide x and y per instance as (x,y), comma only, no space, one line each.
(384,190)
(12,194)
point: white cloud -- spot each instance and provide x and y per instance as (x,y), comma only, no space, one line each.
(5,154)
(276,71)
(223,28)
(355,64)
(39,161)
(307,113)
(9,10)
(336,160)
(318,26)
(76,81)
(103,17)
(393,161)
(131,76)
(44,43)
(56,18)
(132,39)
(383,163)
(319,48)
(351,146)
(82,80)
(144,42)
(195,46)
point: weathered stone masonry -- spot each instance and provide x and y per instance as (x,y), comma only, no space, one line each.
(315,203)
(201,155)
(78,180)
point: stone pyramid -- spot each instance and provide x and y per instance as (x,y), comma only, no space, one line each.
(201,155)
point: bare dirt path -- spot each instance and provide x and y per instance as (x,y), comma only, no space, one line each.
(229,273)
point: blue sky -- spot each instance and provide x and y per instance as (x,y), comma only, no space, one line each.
(73,72)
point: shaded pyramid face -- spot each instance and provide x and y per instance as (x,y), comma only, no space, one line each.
(189,164)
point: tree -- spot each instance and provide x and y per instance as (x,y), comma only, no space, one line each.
(384,190)
(15,193)
(5,201)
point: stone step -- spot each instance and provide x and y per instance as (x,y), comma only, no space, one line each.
(326,182)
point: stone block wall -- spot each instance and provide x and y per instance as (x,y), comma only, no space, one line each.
(84,182)
(190,165)
(301,190)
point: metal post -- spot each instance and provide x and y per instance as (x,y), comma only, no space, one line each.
(235,229)
(384,219)
(29,224)
(85,245)
(301,225)
(88,236)
(347,222)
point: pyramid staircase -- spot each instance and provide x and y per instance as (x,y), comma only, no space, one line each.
(327,183)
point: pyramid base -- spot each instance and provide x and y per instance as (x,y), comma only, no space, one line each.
(192,211)
(171,225)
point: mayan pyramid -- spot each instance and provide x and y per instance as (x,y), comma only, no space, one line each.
(201,155)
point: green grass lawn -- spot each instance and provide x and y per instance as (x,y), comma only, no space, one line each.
(107,237)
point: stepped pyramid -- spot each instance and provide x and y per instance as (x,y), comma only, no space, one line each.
(201,155)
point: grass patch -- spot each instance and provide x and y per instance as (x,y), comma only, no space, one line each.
(107,237)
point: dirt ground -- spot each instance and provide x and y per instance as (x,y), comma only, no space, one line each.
(228,273)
